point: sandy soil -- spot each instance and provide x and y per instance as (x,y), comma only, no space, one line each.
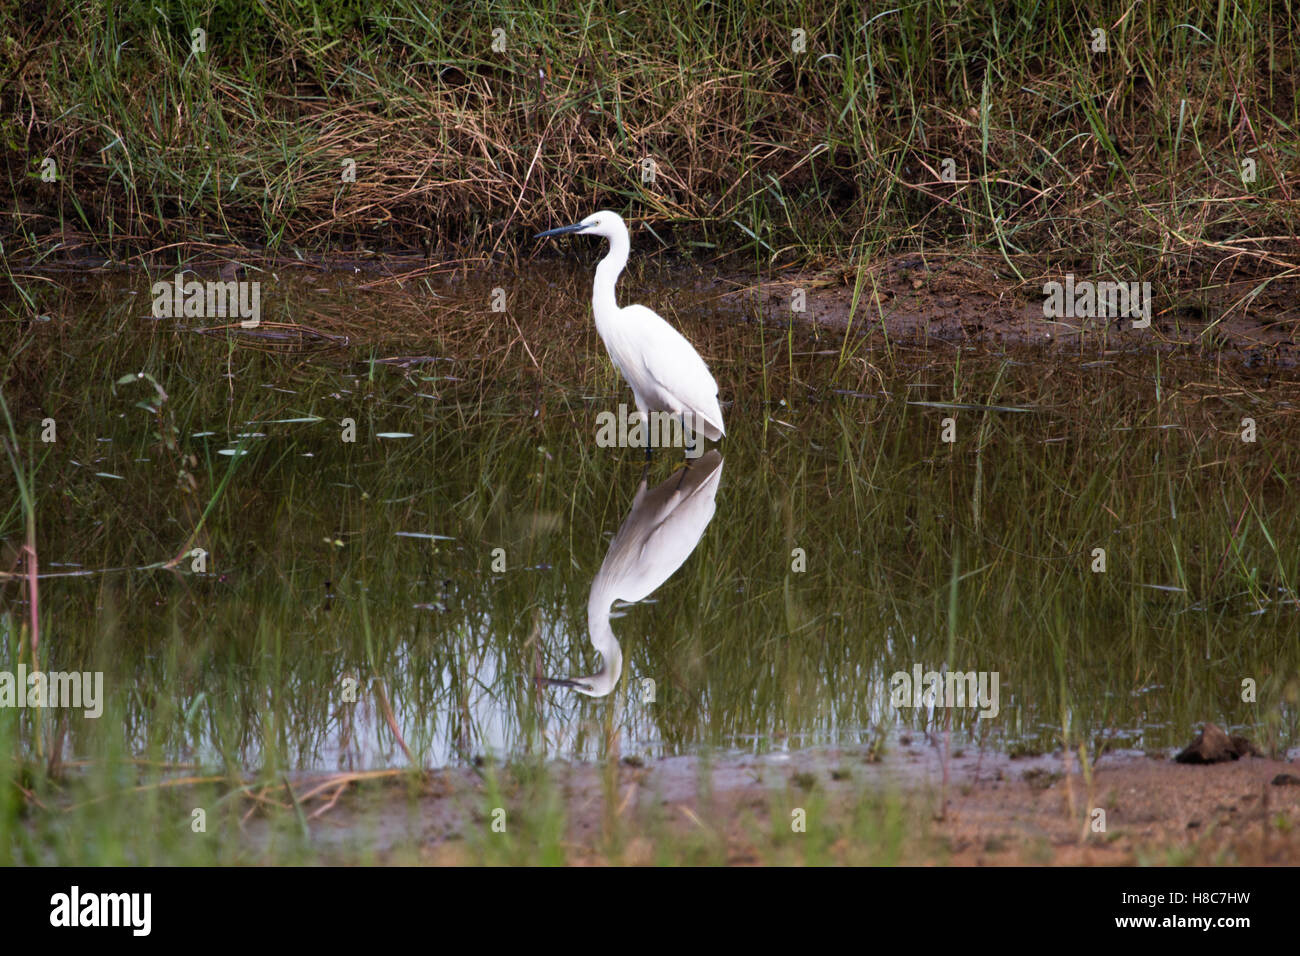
(1156,811)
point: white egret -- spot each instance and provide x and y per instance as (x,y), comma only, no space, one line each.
(664,370)
(655,539)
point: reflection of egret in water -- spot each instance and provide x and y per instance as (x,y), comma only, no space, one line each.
(658,535)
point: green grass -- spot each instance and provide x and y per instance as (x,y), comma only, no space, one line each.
(1120,163)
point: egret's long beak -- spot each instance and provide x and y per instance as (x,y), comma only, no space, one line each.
(561,231)
(562,682)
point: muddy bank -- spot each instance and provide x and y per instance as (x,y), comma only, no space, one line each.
(955,298)
(991,810)
(941,298)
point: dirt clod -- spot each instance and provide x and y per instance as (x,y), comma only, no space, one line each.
(1212,745)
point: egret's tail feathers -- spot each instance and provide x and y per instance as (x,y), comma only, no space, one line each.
(710,426)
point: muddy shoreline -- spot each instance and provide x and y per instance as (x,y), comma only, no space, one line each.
(1129,809)
(917,299)
(944,299)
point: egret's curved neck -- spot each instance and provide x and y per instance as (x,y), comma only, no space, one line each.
(607,273)
(603,639)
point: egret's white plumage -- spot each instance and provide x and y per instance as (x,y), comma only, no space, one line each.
(655,539)
(664,370)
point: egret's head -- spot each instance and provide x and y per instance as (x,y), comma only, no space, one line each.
(597,685)
(604,223)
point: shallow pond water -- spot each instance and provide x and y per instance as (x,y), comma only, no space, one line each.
(401,506)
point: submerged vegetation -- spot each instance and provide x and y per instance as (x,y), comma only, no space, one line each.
(372,562)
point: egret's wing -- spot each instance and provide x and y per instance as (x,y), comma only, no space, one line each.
(678,525)
(659,533)
(664,356)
